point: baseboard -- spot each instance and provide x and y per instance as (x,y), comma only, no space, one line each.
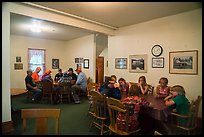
(7,127)
(199,122)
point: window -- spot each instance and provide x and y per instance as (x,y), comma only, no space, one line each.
(36,58)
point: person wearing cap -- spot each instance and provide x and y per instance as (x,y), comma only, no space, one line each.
(47,73)
(72,75)
(58,75)
(47,76)
(35,75)
(31,86)
(81,83)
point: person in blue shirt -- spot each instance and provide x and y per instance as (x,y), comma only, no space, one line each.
(80,85)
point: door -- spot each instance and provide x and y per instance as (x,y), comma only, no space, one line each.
(99,69)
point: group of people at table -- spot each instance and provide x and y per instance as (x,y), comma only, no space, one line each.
(174,96)
(34,82)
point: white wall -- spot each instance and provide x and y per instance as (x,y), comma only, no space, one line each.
(173,33)
(19,47)
(82,47)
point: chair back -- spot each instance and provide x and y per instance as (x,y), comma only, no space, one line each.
(150,89)
(41,116)
(99,104)
(194,108)
(91,86)
(47,90)
(118,112)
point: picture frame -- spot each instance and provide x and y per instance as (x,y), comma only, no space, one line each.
(79,65)
(86,63)
(183,62)
(18,59)
(138,63)
(18,66)
(76,60)
(121,63)
(55,63)
(158,62)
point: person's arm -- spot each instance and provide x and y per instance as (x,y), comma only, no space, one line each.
(168,97)
(30,86)
(144,91)
(169,102)
(79,79)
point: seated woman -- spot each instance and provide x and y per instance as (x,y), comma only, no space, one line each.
(162,90)
(123,87)
(142,85)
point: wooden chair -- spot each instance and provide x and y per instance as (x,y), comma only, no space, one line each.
(47,90)
(150,89)
(190,119)
(91,86)
(116,107)
(65,91)
(41,116)
(100,112)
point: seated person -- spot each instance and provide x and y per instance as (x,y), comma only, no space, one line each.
(133,91)
(47,77)
(142,85)
(178,99)
(72,76)
(162,90)
(109,90)
(35,75)
(58,75)
(80,85)
(31,86)
(123,87)
(114,78)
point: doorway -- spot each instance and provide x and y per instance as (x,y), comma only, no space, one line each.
(99,70)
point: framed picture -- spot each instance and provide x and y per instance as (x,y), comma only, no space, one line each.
(86,63)
(79,65)
(183,62)
(121,63)
(158,62)
(18,66)
(81,60)
(138,63)
(76,60)
(18,59)
(55,63)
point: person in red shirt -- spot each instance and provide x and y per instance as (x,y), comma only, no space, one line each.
(35,75)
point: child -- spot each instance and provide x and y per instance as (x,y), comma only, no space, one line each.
(142,85)
(123,87)
(162,90)
(179,99)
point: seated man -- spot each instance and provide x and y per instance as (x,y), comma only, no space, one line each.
(81,84)
(31,86)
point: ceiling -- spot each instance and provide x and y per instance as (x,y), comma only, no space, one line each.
(114,14)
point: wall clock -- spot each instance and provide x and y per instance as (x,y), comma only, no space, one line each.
(157,50)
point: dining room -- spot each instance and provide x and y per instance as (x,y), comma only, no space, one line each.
(129,50)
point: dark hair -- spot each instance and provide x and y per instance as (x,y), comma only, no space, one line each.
(60,69)
(165,79)
(121,79)
(114,76)
(143,77)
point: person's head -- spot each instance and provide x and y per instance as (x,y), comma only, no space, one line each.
(60,70)
(70,70)
(142,80)
(38,69)
(29,72)
(111,84)
(163,81)
(121,81)
(78,70)
(114,78)
(48,72)
(178,90)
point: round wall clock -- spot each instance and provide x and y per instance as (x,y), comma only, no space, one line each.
(157,50)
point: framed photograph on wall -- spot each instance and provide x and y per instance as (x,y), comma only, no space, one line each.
(18,66)
(121,63)
(183,62)
(18,59)
(138,63)
(86,63)
(76,60)
(158,62)
(55,63)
